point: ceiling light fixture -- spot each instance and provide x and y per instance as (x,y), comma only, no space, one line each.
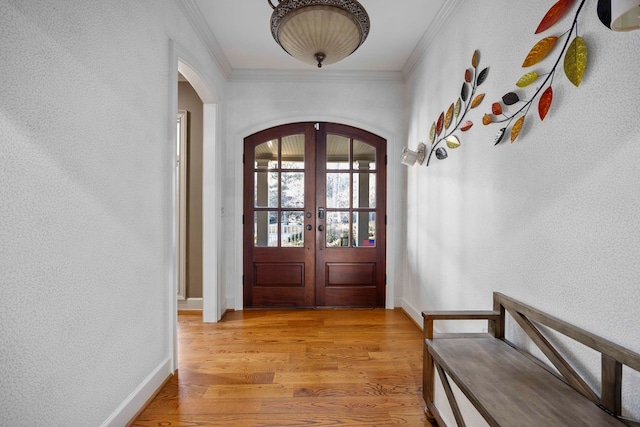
(319,31)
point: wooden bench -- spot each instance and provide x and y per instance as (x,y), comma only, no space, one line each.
(510,387)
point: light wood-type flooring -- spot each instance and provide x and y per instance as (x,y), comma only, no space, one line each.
(324,367)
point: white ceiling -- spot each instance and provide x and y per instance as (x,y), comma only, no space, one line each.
(242,30)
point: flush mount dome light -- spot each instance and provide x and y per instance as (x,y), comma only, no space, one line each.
(319,31)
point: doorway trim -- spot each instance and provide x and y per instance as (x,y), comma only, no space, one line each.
(310,271)
(210,177)
(182,164)
(181,61)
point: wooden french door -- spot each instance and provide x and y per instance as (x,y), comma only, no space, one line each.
(314,217)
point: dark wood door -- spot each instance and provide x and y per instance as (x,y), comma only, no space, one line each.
(314,217)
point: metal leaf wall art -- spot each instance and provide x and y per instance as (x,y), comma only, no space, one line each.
(452,120)
(574,51)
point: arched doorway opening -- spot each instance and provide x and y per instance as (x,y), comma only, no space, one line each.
(182,63)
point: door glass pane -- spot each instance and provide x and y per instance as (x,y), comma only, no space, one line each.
(364,156)
(266,155)
(364,229)
(337,229)
(337,152)
(293,152)
(291,229)
(364,190)
(266,189)
(265,226)
(292,189)
(338,190)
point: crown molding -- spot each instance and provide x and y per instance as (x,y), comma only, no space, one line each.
(316,76)
(194,16)
(441,19)
(200,26)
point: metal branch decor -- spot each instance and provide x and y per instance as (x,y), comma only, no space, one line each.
(448,123)
(575,62)
(617,15)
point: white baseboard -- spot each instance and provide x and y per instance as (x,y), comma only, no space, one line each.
(139,397)
(190,304)
(415,314)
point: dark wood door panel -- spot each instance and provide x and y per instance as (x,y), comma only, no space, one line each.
(278,274)
(351,274)
(273,296)
(351,284)
(345,296)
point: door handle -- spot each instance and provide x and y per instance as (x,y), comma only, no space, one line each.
(320,235)
(309,227)
(320,213)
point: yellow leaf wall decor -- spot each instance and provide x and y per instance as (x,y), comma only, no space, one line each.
(448,117)
(573,50)
(456,109)
(517,127)
(453,142)
(477,100)
(475,59)
(453,118)
(575,60)
(527,79)
(539,51)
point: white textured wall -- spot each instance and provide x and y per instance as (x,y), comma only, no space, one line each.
(86,157)
(372,103)
(551,219)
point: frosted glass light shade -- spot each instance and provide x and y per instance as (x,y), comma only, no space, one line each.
(319,31)
(410,157)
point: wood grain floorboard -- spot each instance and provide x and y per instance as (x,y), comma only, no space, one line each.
(259,368)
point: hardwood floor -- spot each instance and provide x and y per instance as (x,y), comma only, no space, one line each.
(294,368)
